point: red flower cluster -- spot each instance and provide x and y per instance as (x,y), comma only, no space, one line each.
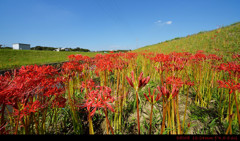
(90,85)
(231,67)
(30,89)
(99,98)
(166,93)
(141,81)
(171,62)
(174,81)
(150,96)
(232,85)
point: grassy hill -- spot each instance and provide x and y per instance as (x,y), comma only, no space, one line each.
(10,59)
(222,41)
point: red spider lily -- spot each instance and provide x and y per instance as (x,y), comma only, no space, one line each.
(103,64)
(165,92)
(175,90)
(198,57)
(31,89)
(171,62)
(130,55)
(189,83)
(99,98)
(71,67)
(232,85)
(130,81)
(31,107)
(230,67)
(174,81)
(236,56)
(119,64)
(90,85)
(161,58)
(59,102)
(141,81)
(150,97)
(214,57)
(78,58)
(5,81)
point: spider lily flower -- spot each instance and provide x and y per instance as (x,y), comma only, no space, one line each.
(230,84)
(164,91)
(142,81)
(99,98)
(150,96)
(174,81)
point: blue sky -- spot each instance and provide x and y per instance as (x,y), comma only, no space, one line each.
(110,24)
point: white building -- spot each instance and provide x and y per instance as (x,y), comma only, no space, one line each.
(59,49)
(20,46)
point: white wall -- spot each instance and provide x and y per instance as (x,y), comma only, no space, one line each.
(21,46)
(16,46)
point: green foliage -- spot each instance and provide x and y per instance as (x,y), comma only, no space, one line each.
(222,41)
(10,59)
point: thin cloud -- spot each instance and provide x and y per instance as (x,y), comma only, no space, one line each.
(159,22)
(169,22)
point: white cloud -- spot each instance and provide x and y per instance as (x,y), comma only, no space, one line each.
(169,22)
(159,22)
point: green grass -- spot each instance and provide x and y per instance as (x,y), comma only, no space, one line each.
(10,59)
(222,41)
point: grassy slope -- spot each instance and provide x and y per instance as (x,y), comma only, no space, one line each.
(15,58)
(226,39)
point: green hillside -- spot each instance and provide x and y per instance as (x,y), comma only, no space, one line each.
(222,41)
(10,59)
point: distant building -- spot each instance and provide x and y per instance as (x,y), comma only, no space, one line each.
(20,46)
(59,49)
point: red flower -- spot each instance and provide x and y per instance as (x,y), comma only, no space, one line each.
(99,98)
(166,92)
(232,85)
(90,84)
(59,102)
(141,81)
(189,83)
(163,90)
(150,97)
(174,81)
(230,67)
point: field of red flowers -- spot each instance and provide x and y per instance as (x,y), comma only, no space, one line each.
(124,93)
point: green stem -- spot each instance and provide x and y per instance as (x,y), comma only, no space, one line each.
(164,116)
(91,132)
(151,118)
(185,109)
(138,119)
(237,110)
(107,122)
